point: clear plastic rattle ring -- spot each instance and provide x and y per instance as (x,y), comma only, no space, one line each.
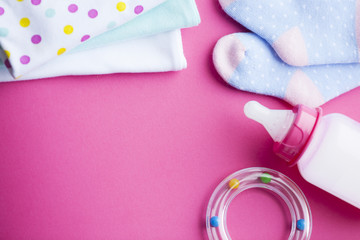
(258,177)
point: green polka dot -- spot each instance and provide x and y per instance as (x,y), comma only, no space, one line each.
(4,32)
(265,178)
(111,25)
(50,13)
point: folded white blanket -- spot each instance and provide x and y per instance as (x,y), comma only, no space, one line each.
(34,32)
(158,53)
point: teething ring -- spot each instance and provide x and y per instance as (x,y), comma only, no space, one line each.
(258,177)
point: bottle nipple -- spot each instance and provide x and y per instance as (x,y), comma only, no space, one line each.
(276,122)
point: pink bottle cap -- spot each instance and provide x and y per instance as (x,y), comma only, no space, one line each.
(299,134)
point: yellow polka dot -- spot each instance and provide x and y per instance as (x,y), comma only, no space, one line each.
(68,29)
(18,77)
(20,0)
(24,22)
(121,6)
(61,51)
(7,53)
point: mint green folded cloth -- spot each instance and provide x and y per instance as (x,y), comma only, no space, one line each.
(170,15)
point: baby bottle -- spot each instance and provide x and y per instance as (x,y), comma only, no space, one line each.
(326,148)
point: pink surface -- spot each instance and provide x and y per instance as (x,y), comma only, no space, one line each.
(137,156)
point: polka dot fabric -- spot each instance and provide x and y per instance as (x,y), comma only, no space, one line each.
(303,32)
(247,62)
(34,31)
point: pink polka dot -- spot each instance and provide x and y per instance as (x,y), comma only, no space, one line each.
(85,37)
(1,11)
(25,59)
(35,2)
(138,9)
(72,8)
(36,39)
(7,63)
(93,13)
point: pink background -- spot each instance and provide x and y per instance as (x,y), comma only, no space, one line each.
(137,156)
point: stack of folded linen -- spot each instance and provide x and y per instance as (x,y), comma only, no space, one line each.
(40,39)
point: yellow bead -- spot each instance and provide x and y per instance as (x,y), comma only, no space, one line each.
(234,183)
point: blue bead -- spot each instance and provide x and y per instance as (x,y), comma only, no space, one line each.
(214,221)
(300,224)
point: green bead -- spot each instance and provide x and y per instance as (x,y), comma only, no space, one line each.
(265,178)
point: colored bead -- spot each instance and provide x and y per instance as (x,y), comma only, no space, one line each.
(234,183)
(300,224)
(214,221)
(265,178)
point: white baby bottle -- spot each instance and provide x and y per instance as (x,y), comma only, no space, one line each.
(325,148)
